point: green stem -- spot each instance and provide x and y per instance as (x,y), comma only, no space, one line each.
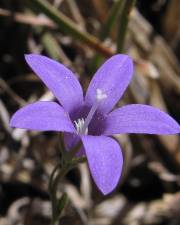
(52,176)
(105,31)
(69,27)
(113,14)
(52,193)
(68,162)
(57,204)
(128,5)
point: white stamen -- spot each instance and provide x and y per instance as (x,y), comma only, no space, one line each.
(81,124)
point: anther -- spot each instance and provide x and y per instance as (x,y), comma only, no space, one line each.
(79,124)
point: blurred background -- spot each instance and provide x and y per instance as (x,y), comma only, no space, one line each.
(81,34)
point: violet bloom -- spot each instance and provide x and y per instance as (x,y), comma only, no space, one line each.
(89,118)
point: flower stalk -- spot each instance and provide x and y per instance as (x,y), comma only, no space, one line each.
(57,203)
(68,161)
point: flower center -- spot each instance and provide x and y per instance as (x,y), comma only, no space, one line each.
(81,124)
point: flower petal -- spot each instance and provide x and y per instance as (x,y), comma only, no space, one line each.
(105,161)
(44,116)
(59,79)
(112,78)
(137,118)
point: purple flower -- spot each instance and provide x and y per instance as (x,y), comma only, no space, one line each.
(89,118)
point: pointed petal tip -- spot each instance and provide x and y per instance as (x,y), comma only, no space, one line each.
(13,121)
(31,56)
(107,191)
(126,59)
(177,129)
(27,55)
(125,56)
(28,58)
